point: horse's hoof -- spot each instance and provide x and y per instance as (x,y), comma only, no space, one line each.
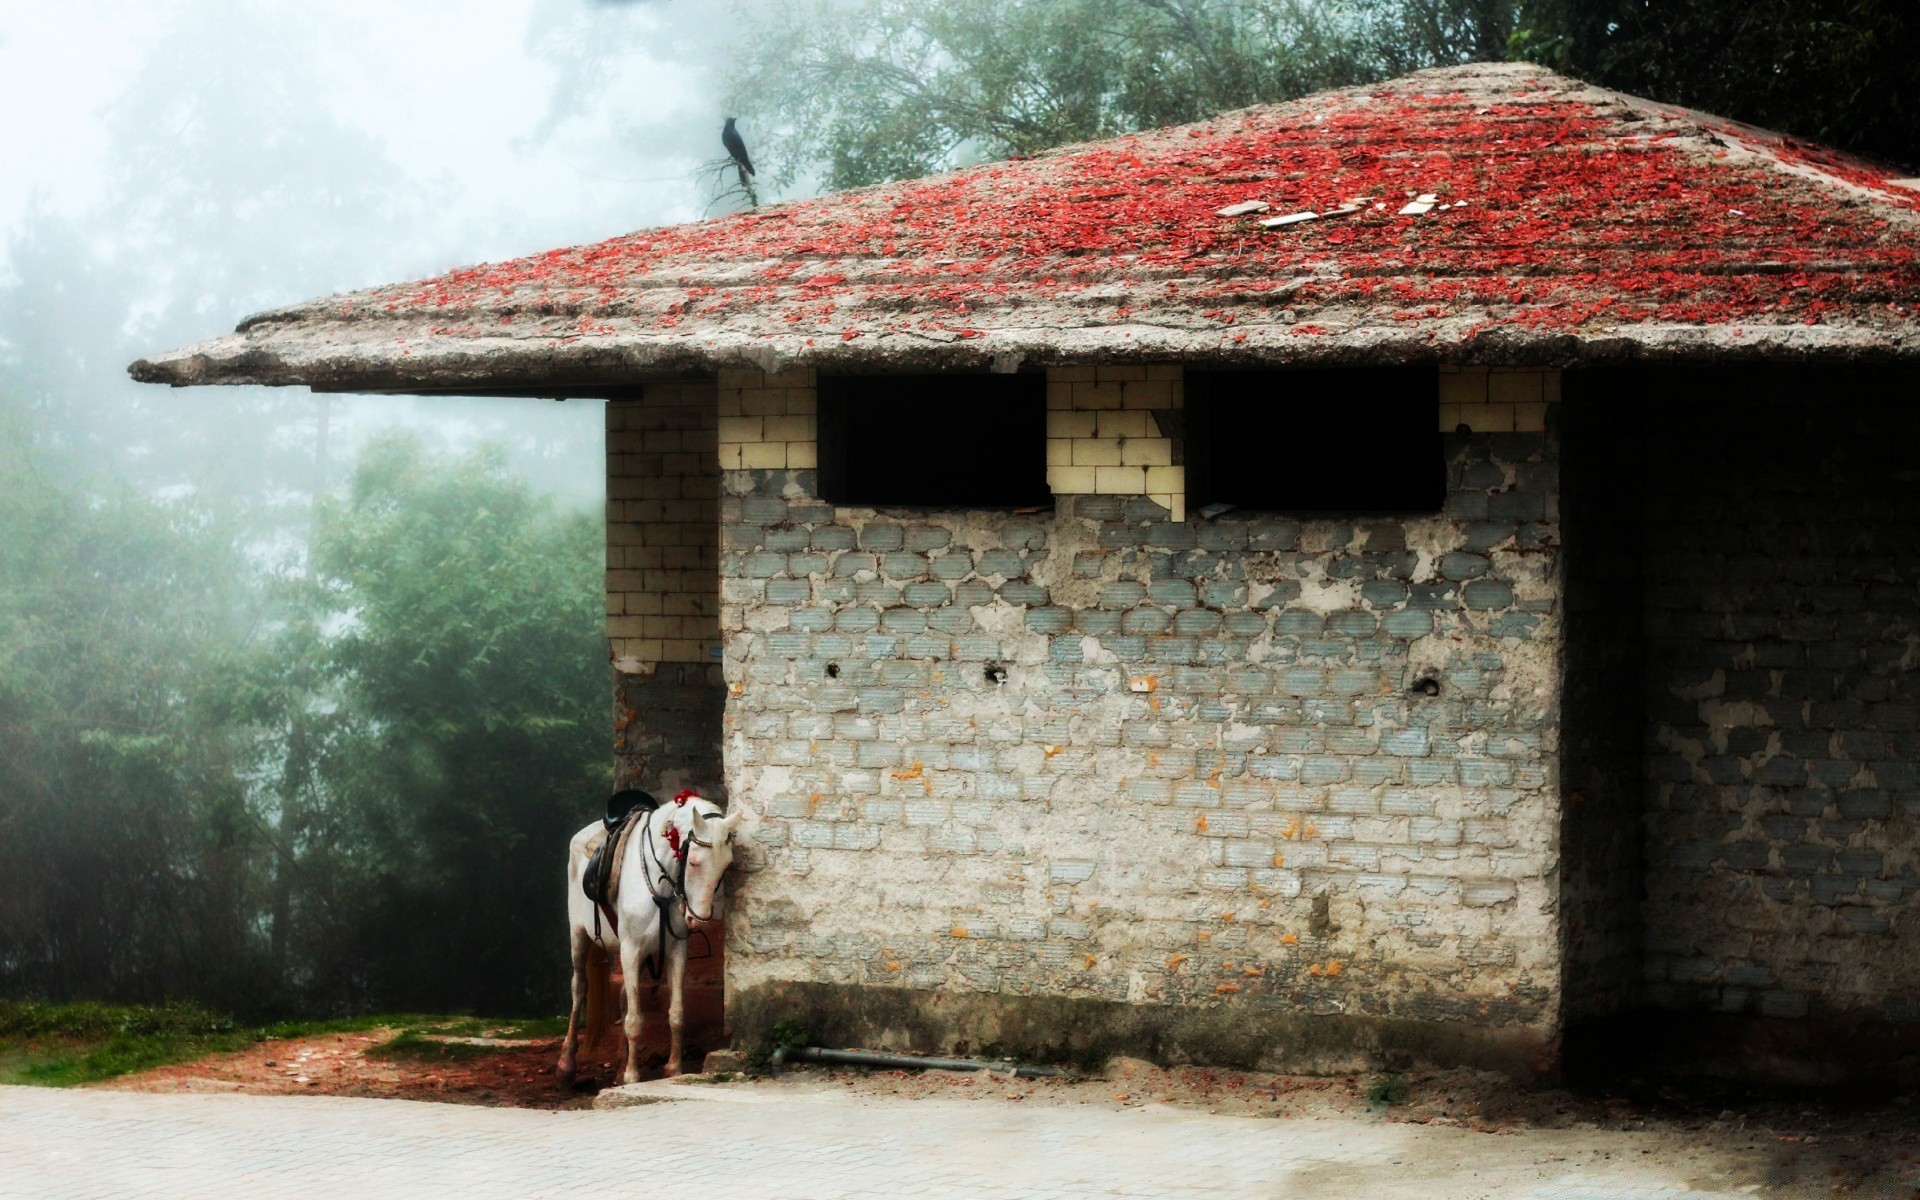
(629,1076)
(565,1076)
(672,1069)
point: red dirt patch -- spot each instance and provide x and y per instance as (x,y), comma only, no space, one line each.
(516,1074)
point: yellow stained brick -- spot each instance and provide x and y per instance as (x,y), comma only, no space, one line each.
(1072,481)
(1167,480)
(762,402)
(1487,418)
(1120,481)
(764,456)
(802,456)
(683,651)
(1059,394)
(1146,452)
(1515,387)
(1072,424)
(1450,417)
(1096,452)
(625,626)
(740,377)
(1111,423)
(1097,395)
(731,456)
(1059,452)
(788,429)
(1149,393)
(741,429)
(1166,371)
(729,405)
(1070,374)
(1467,386)
(1530,418)
(1119,374)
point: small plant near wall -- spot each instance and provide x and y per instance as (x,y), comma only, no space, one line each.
(1387,1090)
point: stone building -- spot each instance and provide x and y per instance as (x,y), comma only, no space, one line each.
(1429,570)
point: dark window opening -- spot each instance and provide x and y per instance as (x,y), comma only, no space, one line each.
(934,441)
(1347,441)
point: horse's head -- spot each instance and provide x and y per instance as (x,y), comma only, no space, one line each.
(709,854)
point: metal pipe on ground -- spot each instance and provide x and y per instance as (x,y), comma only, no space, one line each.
(871,1058)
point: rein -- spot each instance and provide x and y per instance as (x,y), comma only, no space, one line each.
(677,852)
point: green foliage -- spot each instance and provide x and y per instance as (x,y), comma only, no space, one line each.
(785,1035)
(849,92)
(1387,1090)
(860,91)
(1846,72)
(62,1045)
(419,1046)
(335,789)
(66,1044)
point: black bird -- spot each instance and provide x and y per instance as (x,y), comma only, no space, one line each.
(736,149)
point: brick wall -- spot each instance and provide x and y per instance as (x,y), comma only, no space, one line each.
(1783,615)
(663,589)
(1204,780)
(1108,433)
(663,513)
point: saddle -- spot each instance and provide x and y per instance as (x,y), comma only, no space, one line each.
(627,810)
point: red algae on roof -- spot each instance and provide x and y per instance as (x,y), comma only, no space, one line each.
(1558,211)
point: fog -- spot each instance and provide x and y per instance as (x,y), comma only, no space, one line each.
(174,166)
(298,694)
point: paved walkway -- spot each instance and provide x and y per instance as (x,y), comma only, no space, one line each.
(778,1143)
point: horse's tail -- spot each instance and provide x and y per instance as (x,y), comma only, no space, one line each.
(599,996)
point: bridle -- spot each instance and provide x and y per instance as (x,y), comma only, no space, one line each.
(677,883)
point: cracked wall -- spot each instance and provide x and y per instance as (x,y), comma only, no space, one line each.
(1099,753)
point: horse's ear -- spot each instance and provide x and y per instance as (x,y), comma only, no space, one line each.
(699,824)
(739,818)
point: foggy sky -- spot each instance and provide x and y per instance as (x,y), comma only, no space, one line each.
(418,135)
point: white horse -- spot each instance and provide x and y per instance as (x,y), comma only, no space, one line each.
(678,855)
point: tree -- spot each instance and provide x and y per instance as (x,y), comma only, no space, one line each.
(130,859)
(1846,72)
(860,91)
(459,738)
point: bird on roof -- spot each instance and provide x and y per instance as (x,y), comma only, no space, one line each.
(736,149)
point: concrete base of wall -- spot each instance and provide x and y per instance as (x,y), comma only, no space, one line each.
(1864,1056)
(1064,1029)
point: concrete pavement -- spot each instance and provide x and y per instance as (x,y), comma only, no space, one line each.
(787,1143)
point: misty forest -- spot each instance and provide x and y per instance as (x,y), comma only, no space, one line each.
(300,695)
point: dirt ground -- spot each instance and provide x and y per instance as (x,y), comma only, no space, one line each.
(1868,1147)
(517,1074)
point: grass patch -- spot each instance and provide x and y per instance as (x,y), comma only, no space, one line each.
(1387,1090)
(415,1045)
(63,1045)
(60,1045)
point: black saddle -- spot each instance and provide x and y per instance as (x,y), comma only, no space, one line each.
(599,880)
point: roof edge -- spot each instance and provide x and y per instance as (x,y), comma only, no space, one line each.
(604,362)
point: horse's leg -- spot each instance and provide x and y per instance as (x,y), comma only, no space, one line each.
(630,988)
(582,947)
(676,1000)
